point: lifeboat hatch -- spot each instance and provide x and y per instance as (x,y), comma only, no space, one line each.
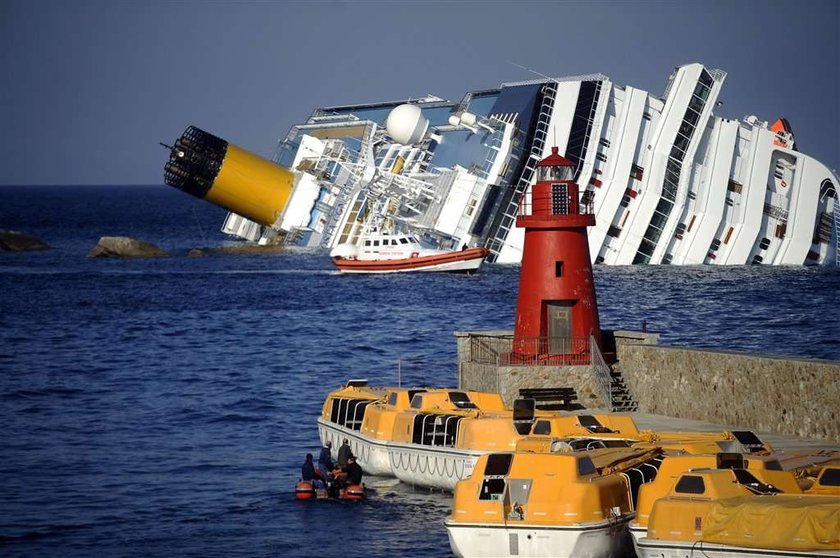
(523,415)
(591,423)
(749,440)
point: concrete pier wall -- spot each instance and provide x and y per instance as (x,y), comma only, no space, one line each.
(786,396)
(798,397)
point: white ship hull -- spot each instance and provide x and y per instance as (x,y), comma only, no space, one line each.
(601,540)
(669,181)
(371,455)
(438,468)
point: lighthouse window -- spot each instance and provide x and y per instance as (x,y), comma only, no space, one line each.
(558,269)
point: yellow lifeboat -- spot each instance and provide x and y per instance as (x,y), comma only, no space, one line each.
(731,512)
(432,437)
(766,469)
(539,503)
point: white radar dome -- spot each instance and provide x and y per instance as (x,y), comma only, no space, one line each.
(406,124)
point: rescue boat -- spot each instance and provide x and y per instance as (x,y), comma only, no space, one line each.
(728,513)
(541,502)
(306,490)
(433,437)
(395,253)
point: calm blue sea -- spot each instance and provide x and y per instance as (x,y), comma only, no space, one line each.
(163,407)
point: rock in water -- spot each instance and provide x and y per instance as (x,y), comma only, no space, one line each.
(125,247)
(14,241)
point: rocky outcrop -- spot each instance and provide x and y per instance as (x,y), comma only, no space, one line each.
(124,247)
(238,249)
(14,241)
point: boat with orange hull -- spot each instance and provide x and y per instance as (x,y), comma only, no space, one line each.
(396,253)
(306,490)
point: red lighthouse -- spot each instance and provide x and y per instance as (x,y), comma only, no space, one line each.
(556,312)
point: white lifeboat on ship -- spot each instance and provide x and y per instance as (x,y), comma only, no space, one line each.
(393,253)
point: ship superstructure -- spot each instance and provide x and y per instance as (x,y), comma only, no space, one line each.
(669,182)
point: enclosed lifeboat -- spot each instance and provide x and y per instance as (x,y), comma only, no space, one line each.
(545,503)
(433,437)
(723,513)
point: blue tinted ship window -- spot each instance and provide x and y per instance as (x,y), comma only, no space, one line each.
(461,147)
(482,105)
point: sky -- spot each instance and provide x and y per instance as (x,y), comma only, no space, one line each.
(89,88)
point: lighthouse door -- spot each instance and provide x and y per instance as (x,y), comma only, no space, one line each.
(559,328)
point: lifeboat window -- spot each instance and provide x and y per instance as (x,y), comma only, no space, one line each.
(394,242)
(492,489)
(417,402)
(403,241)
(349,412)
(689,484)
(413,392)
(542,427)
(435,430)
(367,242)
(461,400)
(376,243)
(585,466)
(392,399)
(830,477)
(498,464)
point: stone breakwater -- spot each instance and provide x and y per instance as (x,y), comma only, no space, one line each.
(773,394)
(792,396)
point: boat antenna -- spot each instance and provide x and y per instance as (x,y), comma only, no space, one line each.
(527,69)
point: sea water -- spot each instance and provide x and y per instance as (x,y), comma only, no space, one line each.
(163,407)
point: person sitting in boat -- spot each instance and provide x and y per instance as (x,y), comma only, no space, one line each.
(325,463)
(309,473)
(352,472)
(343,453)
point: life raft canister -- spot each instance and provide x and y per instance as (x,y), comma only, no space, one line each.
(304,490)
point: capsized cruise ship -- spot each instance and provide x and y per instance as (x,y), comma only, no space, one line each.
(668,181)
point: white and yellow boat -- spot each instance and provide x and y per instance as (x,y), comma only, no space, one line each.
(764,468)
(731,513)
(433,437)
(538,502)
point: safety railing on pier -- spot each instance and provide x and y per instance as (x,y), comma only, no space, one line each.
(492,352)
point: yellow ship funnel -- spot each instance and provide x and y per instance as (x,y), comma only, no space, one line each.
(210,168)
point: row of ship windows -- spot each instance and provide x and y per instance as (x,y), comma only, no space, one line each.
(393,242)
